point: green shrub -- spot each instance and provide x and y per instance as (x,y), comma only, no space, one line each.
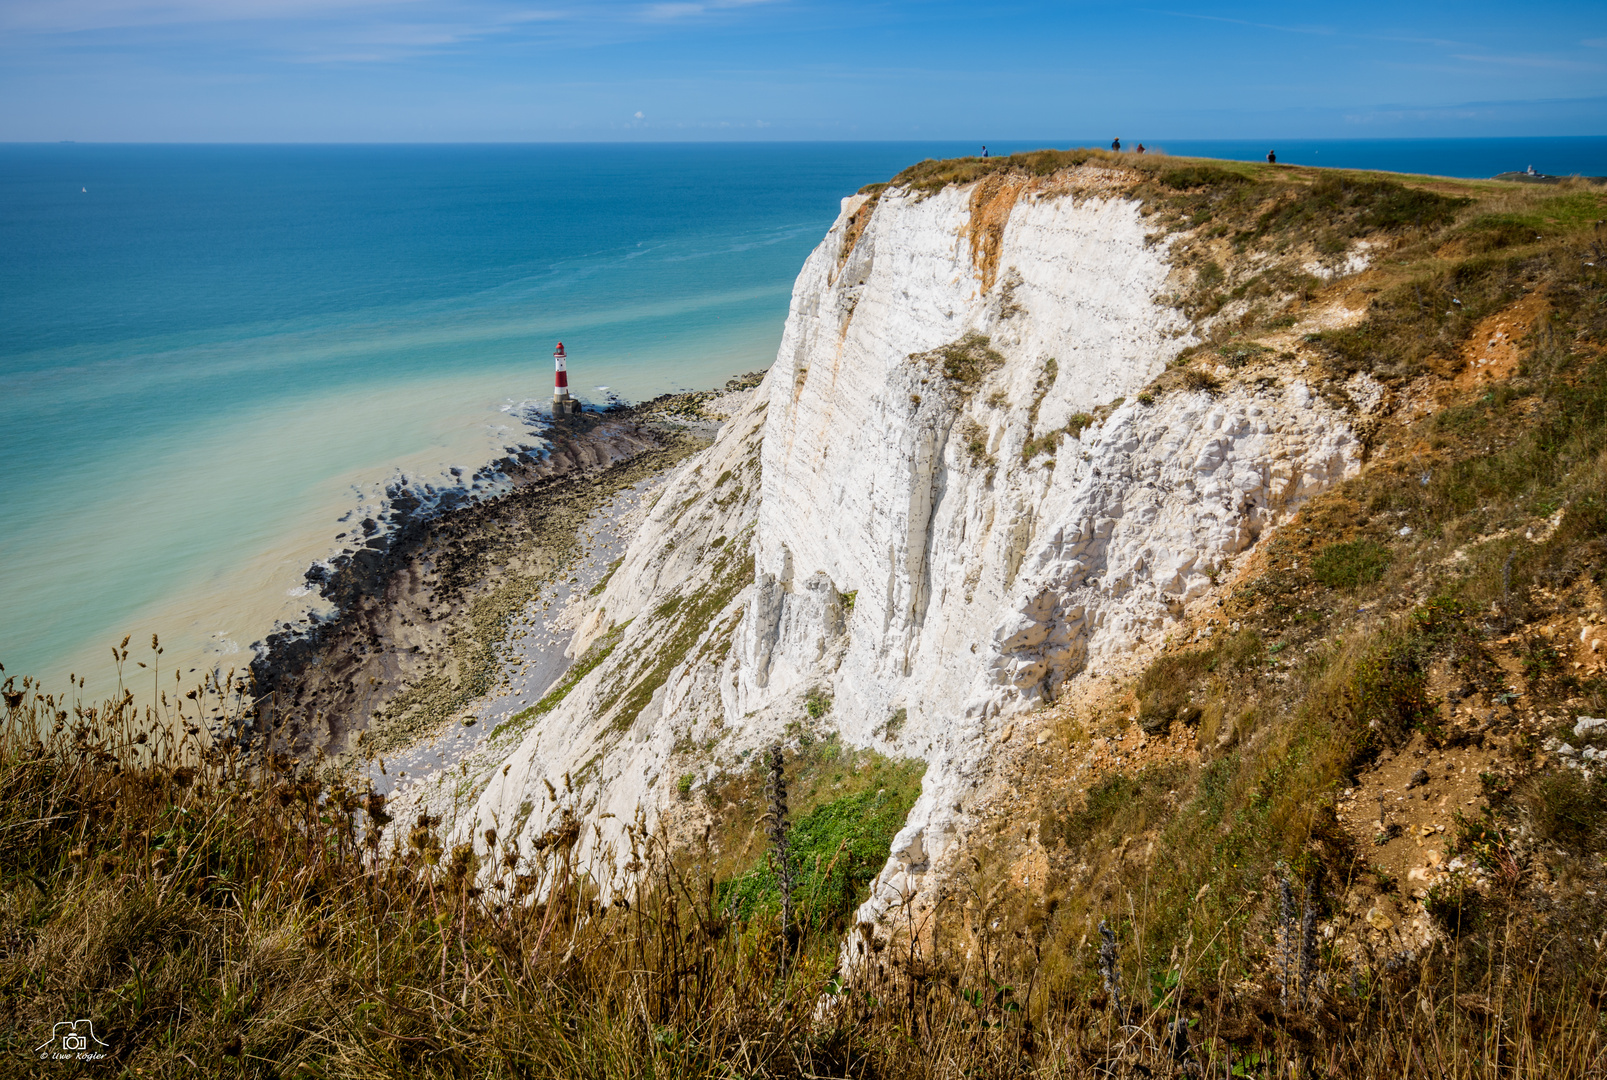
(1240,353)
(602,582)
(1391,691)
(1566,809)
(836,850)
(1491,232)
(975,441)
(1481,839)
(1116,798)
(1163,689)
(1452,903)
(1199,176)
(817,703)
(1354,206)
(1348,566)
(965,363)
(1049,440)
(895,723)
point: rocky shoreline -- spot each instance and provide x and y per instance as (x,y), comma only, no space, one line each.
(424,607)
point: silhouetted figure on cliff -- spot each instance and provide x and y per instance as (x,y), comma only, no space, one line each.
(984,151)
(1115,144)
(1272,157)
(1140,149)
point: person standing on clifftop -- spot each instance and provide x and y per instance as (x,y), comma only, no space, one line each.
(1140,149)
(1272,157)
(984,151)
(1115,144)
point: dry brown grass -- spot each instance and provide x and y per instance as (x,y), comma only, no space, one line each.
(215,916)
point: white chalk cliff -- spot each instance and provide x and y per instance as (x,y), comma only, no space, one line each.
(870,526)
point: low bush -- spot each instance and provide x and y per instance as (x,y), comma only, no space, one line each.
(1202,176)
(966,362)
(1350,565)
(817,703)
(1566,809)
(1354,206)
(1453,904)
(836,850)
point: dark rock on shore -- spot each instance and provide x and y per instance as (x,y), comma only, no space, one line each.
(421,607)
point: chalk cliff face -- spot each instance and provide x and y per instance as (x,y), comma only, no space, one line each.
(938,508)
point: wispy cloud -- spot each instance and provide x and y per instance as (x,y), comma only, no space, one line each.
(76,16)
(344,31)
(295,31)
(1553,62)
(1468,110)
(1323,30)
(387,43)
(684,9)
(1318,31)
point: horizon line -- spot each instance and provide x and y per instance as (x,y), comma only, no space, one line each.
(1046,144)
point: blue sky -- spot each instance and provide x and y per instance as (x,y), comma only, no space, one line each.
(493,70)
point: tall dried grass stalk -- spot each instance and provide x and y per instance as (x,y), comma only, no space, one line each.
(227,915)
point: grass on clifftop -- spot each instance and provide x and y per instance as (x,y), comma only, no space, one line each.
(1245,237)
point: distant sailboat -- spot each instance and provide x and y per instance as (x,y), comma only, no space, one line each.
(83,189)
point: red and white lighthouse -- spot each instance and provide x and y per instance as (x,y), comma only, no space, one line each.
(562,403)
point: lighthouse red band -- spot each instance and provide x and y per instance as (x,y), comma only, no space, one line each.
(562,403)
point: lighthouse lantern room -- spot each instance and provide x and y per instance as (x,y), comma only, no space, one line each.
(562,403)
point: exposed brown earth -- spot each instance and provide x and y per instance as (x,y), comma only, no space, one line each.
(1492,353)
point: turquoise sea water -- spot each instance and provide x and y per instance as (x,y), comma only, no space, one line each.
(210,355)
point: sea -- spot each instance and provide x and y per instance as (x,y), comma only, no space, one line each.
(214,359)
